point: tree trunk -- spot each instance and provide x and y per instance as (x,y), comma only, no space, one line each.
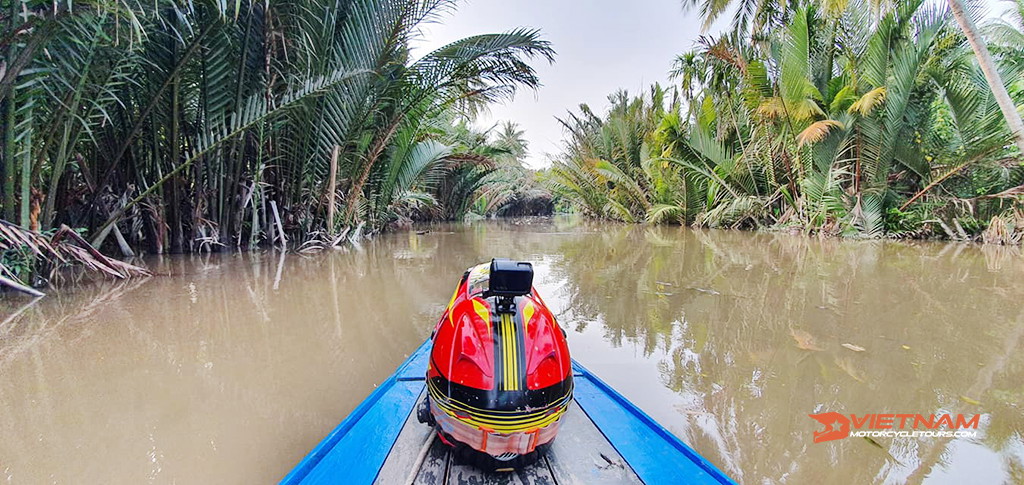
(26,176)
(176,212)
(9,108)
(9,169)
(332,188)
(988,67)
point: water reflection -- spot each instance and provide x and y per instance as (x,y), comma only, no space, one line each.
(748,331)
(229,368)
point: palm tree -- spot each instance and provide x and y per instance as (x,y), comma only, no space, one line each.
(855,117)
(209,124)
(988,66)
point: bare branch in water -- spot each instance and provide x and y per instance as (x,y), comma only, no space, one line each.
(65,247)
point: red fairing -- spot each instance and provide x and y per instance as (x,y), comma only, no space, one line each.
(500,376)
(465,339)
(463,348)
(547,354)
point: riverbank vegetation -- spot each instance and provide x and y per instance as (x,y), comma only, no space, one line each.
(855,118)
(190,126)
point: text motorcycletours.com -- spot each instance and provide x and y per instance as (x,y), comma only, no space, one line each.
(839,426)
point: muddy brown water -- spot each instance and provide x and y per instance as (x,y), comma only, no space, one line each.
(228,368)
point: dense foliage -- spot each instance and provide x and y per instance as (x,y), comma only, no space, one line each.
(853,118)
(184,126)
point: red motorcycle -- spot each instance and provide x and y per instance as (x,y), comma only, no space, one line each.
(499,378)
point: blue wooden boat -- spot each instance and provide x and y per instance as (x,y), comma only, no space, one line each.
(604,439)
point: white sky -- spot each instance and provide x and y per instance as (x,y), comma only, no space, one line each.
(601,45)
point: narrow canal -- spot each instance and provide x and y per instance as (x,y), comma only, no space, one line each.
(228,368)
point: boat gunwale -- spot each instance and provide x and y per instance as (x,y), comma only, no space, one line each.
(657,428)
(623,447)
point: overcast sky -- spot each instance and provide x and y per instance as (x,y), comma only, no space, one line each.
(602,46)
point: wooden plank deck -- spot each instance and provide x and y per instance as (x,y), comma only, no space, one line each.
(579,455)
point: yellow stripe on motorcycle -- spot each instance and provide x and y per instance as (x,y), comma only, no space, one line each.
(442,400)
(503,424)
(510,351)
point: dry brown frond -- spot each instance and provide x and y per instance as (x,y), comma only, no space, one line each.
(64,247)
(772,108)
(867,103)
(817,131)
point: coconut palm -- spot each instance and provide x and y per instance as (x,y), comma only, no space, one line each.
(988,66)
(853,117)
(212,124)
